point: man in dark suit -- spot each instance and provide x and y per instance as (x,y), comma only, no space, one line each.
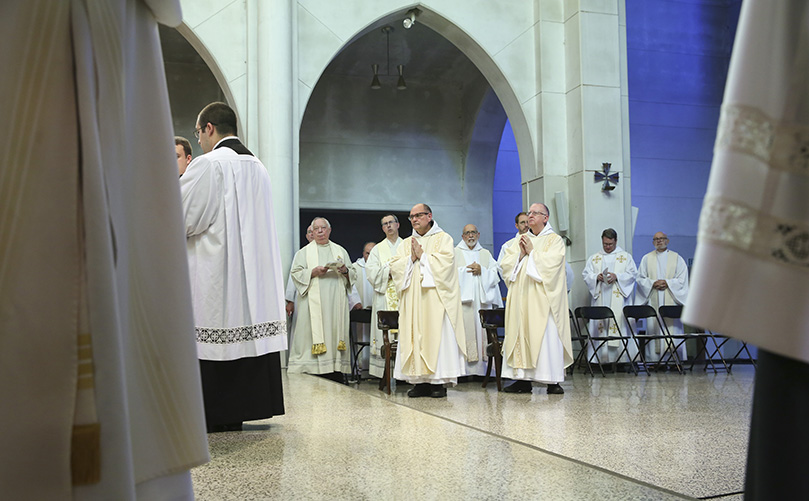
(235,269)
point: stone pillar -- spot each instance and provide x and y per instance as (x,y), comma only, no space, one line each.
(271,110)
(597,126)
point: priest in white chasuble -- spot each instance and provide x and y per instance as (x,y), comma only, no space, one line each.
(236,279)
(320,273)
(610,277)
(662,281)
(537,345)
(385,297)
(432,347)
(101,394)
(478,277)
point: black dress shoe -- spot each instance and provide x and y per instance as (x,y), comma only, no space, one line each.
(555,389)
(438,391)
(519,387)
(420,390)
(218,428)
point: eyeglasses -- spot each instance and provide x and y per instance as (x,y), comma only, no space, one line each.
(416,215)
(199,130)
(467,233)
(659,239)
(388,223)
(534,213)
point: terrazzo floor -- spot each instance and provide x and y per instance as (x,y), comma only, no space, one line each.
(623,437)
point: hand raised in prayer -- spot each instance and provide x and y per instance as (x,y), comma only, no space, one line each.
(526,246)
(415,250)
(318,271)
(290,308)
(474,269)
(660,285)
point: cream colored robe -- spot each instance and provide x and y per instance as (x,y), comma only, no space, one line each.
(532,304)
(334,288)
(377,269)
(669,266)
(92,245)
(426,299)
(750,278)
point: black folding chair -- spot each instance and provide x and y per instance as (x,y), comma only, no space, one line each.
(648,313)
(491,320)
(356,317)
(587,313)
(387,321)
(674,313)
(576,335)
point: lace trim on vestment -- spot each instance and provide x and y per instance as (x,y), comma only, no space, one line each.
(736,225)
(241,334)
(781,146)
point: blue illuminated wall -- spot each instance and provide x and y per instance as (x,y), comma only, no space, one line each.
(507,190)
(678,54)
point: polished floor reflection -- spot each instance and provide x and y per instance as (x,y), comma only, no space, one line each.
(662,436)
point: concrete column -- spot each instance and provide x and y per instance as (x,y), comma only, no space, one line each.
(597,127)
(274,138)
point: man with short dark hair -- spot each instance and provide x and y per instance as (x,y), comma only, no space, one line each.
(610,277)
(236,285)
(431,350)
(377,269)
(182,148)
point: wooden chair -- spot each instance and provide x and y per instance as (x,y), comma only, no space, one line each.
(491,320)
(387,321)
(356,317)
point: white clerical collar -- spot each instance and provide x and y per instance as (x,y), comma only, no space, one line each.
(225,139)
(661,252)
(435,229)
(361,262)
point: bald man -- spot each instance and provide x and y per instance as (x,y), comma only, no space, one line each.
(478,278)
(431,331)
(662,281)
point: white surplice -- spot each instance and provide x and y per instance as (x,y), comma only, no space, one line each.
(668,266)
(616,295)
(477,292)
(236,280)
(93,218)
(750,277)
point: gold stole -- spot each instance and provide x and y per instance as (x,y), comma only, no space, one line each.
(315,310)
(651,271)
(391,297)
